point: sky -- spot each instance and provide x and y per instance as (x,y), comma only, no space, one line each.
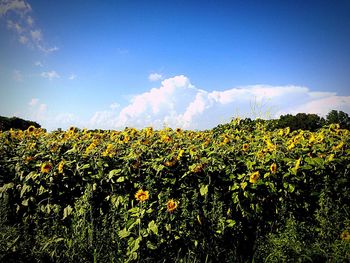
(188,64)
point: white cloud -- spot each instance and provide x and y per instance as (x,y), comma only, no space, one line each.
(38,64)
(36,35)
(50,75)
(33,102)
(17,75)
(154,77)
(114,106)
(178,103)
(72,77)
(14,5)
(23,39)
(23,24)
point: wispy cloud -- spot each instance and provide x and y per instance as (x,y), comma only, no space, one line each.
(19,6)
(33,102)
(72,77)
(50,75)
(38,64)
(23,24)
(154,77)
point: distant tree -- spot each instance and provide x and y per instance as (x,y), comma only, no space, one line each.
(301,121)
(16,123)
(338,117)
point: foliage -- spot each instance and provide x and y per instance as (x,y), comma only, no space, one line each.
(175,195)
(339,117)
(16,123)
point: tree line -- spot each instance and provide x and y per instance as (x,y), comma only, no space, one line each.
(302,121)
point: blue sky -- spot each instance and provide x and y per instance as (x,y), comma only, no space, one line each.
(190,64)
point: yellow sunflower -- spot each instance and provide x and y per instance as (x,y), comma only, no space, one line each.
(254,177)
(60,166)
(171,205)
(31,128)
(245,147)
(273,168)
(141,195)
(345,235)
(46,167)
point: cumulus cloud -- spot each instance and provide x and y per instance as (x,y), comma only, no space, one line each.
(114,106)
(178,103)
(154,77)
(23,24)
(50,75)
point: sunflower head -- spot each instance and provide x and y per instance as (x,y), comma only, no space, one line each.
(254,177)
(273,168)
(46,167)
(60,166)
(345,235)
(171,205)
(245,147)
(141,195)
(31,129)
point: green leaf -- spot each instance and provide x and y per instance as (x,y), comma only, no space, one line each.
(67,211)
(150,245)
(152,227)
(25,202)
(123,233)
(121,179)
(113,173)
(230,222)
(203,190)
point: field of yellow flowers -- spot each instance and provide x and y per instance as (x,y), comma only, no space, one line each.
(230,194)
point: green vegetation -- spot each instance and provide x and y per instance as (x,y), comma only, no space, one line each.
(15,123)
(241,192)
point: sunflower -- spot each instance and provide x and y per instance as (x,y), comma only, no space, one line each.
(171,205)
(245,147)
(31,128)
(273,168)
(141,195)
(254,177)
(60,166)
(345,235)
(46,167)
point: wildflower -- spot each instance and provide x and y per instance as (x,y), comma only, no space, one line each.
(339,146)
(141,195)
(345,235)
(171,205)
(46,167)
(254,177)
(166,138)
(181,152)
(245,147)
(273,168)
(60,166)
(297,165)
(178,130)
(71,129)
(31,128)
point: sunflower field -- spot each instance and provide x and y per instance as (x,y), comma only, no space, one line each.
(230,194)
